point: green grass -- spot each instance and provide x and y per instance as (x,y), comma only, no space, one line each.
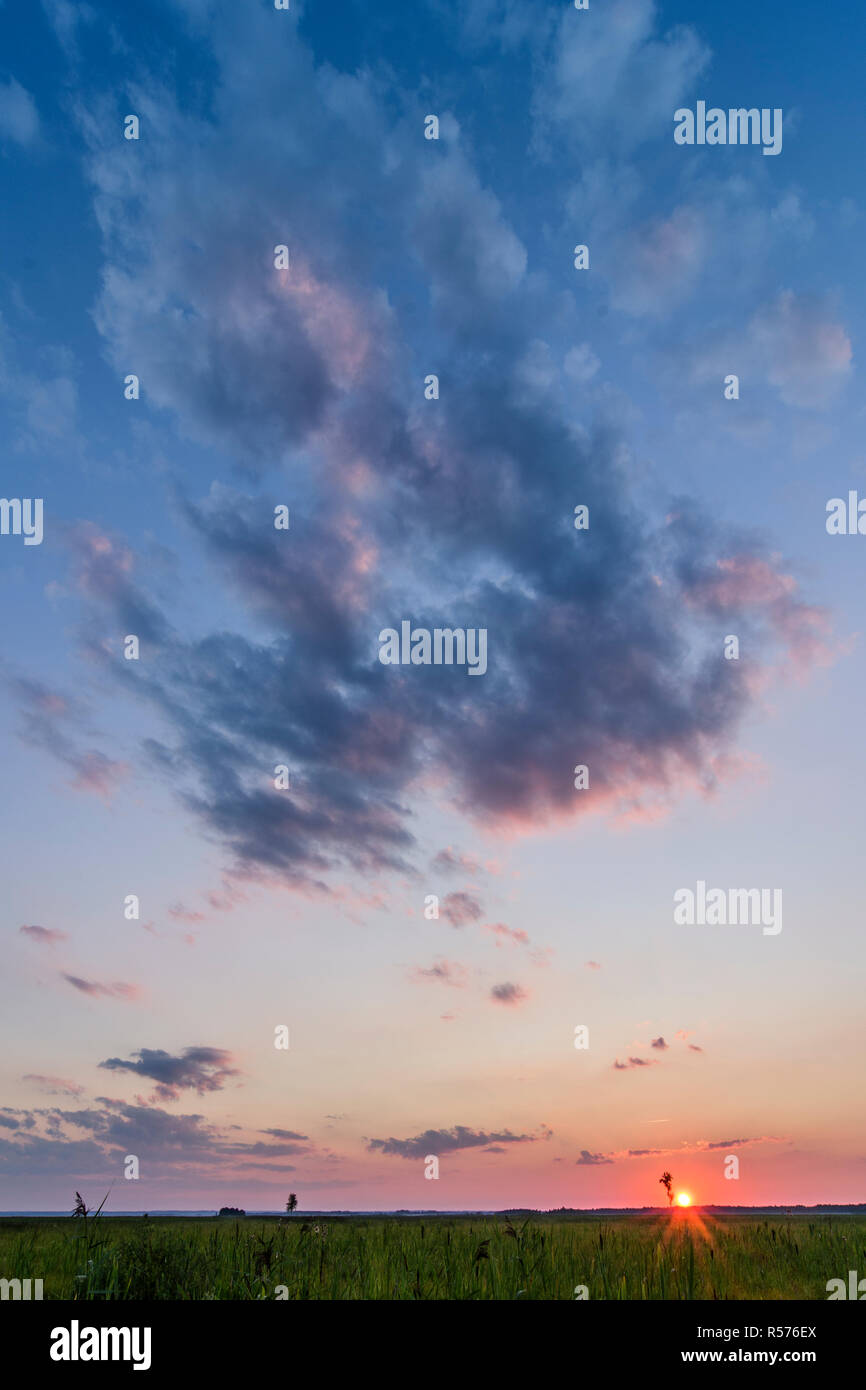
(544,1257)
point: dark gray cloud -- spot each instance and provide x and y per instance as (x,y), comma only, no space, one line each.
(591,1160)
(117,989)
(200,1069)
(509,993)
(445,972)
(441,1141)
(461,908)
(48,1142)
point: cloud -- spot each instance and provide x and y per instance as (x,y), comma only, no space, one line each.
(460,908)
(54,1085)
(181,913)
(44,936)
(309,376)
(591,1160)
(658,263)
(65,17)
(660,1044)
(510,994)
(43,406)
(447,862)
(48,719)
(441,1141)
(47,1142)
(635,1062)
(19,119)
(116,990)
(702,1146)
(746,584)
(201,1069)
(446,972)
(580,364)
(693,1047)
(499,929)
(614,83)
(806,351)
(592,965)
(794,343)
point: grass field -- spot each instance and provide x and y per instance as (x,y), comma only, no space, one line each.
(681,1256)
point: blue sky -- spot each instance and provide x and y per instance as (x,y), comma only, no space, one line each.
(305,387)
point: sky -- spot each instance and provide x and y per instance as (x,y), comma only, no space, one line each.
(472,959)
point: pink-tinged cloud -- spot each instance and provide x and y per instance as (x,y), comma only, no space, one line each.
(181,913)
(744,581)
(542,956)
(592,965)
(227,898)
(805,352)
(660,262)
(116,990)
(504,933)
(635,1062)
(509,994)
(740,584)
(449,861)
(96,773)
(54,1085)
(445,972)
(104,565)
(45,936)
(334,323)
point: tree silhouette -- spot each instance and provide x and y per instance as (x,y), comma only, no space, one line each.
(291,1203)
(666,1181)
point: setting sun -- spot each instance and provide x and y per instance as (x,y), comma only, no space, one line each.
(683,1199)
